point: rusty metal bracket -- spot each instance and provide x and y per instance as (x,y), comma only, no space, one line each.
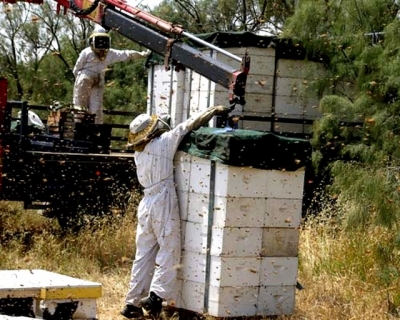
(168,51)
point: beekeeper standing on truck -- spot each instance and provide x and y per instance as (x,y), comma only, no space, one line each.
(90,68)
(158,242)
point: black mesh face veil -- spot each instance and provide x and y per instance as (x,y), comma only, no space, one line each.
(159,129)
(163,124)
(100,42)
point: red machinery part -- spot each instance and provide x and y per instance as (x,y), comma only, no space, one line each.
(3,105)
(155,21)
(28,1)
(97,15)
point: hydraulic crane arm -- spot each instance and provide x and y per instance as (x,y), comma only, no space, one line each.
(178,51)
(164,38)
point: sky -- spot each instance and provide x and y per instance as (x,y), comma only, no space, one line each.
(150,3)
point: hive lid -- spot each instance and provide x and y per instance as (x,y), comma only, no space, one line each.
(46,285)
(248,148)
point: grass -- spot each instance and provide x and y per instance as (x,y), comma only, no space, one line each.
(339,272)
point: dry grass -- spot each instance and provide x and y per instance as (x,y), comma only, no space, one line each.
(338,272)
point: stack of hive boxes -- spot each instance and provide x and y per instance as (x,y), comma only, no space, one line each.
(240,229)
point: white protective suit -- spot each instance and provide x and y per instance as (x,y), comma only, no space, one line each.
(158,236)
(89,74)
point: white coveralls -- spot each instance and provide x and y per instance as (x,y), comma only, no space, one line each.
(89,74)
(158,236)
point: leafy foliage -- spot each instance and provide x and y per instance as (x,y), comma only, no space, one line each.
(39,50)
(357,139)
(203,16)
(356,142)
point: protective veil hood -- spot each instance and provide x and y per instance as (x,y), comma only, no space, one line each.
(145,127)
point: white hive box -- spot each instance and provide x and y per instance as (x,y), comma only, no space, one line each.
(276,300)
(238,301)
(223,271)
(51,291)
(220,302)
(280,242)
(225,241)
(240,232)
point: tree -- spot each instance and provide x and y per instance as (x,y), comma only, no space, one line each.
(39,50)
(359,41)
(11,24)
(126,83)
(32,39)
(203,16)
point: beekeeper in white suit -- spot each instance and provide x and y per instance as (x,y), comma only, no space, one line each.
(158,242)
(90,68)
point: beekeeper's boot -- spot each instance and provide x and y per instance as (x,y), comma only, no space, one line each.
(152,305)
(132,312)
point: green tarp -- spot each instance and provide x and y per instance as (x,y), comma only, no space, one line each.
(248,148)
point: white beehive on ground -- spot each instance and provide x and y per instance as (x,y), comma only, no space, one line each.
(2,317)
(40,292)
(240,230)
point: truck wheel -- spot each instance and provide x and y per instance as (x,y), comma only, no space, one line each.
(70,220)
(68,217)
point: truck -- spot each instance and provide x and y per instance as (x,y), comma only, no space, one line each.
(69,170)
